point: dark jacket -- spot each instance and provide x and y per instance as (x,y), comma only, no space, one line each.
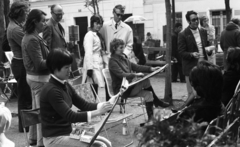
(120,67)
(56,100)
(34,52)
(230,81)
(188,45)
(230,36)
(203,111)
(54,35)
(175,53)
(138,51)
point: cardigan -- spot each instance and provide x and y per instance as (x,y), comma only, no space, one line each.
(56,100)
(15,35)
(120,67)
(34,52)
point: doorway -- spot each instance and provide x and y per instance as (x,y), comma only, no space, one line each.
(82,22)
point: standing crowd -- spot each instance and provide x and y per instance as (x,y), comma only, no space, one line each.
(42,64)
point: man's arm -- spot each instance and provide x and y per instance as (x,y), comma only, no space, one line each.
(129,43)
(47,35)
(182,47)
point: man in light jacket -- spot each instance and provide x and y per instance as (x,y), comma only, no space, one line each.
(116,28)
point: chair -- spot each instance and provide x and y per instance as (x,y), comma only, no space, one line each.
(87,92)
(30,118)
(8,79)
(108,80)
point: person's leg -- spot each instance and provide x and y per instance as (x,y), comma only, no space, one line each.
(157,102)
(66,141)
(181,76)
(36,88)
(32,129)
(190,90)
(63,141)
(24,92)
(174,72)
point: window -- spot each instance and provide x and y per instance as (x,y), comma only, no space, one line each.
(178,17)
(219,21)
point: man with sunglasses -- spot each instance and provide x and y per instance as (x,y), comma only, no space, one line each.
(191,46)
(54,32)
(116,28)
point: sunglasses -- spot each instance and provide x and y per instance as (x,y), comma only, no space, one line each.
(58,15)
(118,15)
(194,19)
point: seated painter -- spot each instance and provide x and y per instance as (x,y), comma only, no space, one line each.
(5,123)
(120,66)
(56,100)
(207,80)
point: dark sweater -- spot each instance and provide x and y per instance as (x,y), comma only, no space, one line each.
(55,106)
(120,67)
(230,36)
(230,81)
(203,111)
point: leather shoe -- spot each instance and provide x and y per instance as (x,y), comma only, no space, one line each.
(33,142)
(160,103)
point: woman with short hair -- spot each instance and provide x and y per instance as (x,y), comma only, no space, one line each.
(35,51)
(57,98)
(17,16)
(94,49)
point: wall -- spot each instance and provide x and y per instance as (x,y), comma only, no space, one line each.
(76,8)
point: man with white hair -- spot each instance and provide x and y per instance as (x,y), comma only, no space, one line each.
(54,32)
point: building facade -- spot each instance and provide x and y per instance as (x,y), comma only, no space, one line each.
(153,10)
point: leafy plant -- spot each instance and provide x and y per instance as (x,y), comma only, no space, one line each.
(183,133)
(94,5)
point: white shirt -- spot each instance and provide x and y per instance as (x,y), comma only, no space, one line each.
(198,40)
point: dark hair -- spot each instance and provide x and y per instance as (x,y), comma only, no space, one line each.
(233,59)
(97,19)
(17,9)
(34,15)
(114,44)
(236,21)
(120,7)
(206,78)
(178,24)
(190,13)
(58,58)
(202,18)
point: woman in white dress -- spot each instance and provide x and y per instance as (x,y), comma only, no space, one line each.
(94,50)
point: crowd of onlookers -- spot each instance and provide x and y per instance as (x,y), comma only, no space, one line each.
(42,64)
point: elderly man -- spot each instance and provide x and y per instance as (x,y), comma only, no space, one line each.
(191,47)
(54,32)
(115,28)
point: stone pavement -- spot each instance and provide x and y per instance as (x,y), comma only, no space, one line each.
(114,130)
